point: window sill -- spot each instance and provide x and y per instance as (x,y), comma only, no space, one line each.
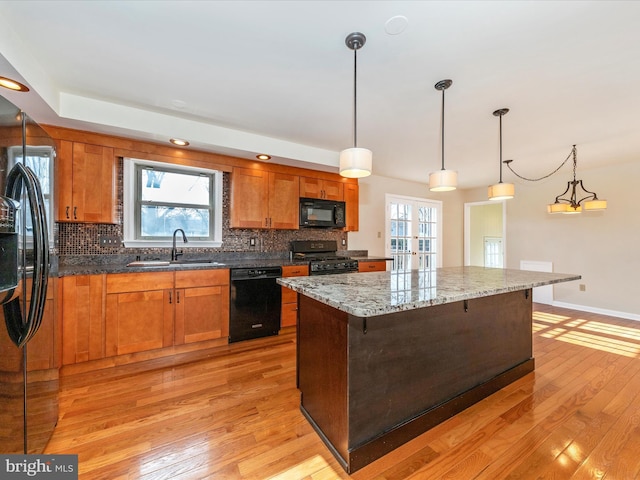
(169,244)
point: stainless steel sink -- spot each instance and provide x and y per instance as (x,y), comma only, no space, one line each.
(195,262)
(177,263)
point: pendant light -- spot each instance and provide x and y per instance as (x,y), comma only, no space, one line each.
(443,180)
(355,162)
(500,190)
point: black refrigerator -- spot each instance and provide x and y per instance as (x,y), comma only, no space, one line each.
(28,347)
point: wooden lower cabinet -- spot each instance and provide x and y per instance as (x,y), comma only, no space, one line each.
(147,311)
(138,312)
(373,266)
(289,312)
(82,318)
(201,305)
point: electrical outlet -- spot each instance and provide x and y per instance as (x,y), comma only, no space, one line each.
(252,242)
(583,287)
(344,242)
(109,241)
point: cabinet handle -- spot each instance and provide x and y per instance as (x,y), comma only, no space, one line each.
(178,296)
(67,211)
(169,298)
(75,213)
(266,221)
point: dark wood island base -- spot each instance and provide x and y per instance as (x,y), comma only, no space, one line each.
(369,385)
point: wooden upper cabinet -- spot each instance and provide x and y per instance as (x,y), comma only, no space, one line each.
(351,198)
(321,188)
(86,183)
(284,203)
(261,199)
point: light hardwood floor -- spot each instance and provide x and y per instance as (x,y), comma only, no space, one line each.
(235,415)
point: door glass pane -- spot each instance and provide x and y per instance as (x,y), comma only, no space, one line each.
(400,235)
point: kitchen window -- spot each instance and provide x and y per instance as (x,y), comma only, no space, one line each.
(40,160)
(160,198)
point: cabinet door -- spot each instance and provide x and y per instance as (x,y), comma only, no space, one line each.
(202,313)
(82,318)
(86,183)
(94,183)
(332,190)
(43,346)
(138,312)
(351,198)
(318,188)
(284,205)
(64,181)
(249,198)
(139,321)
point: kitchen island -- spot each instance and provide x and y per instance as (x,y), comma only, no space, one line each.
(383,357)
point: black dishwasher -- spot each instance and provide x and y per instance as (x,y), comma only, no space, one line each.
(255,301)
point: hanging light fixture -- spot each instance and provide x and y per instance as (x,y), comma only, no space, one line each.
(572,204)
(443,180)
(500,190)
(355,162)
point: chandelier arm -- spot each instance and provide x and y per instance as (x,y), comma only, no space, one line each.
(508,163)
(591,196)
(559,197)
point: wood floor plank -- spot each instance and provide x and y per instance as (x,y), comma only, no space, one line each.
(234,413)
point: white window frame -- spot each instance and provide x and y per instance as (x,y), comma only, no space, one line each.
(33,150)
(416,201)
(129,217)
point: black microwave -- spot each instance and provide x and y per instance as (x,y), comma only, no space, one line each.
(315,212)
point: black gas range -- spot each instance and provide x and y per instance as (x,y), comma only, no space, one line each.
(322,256)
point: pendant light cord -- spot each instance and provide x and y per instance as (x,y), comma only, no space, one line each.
(355,95)
(500,149)
(442,121)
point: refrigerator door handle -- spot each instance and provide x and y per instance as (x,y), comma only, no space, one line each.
(21,331)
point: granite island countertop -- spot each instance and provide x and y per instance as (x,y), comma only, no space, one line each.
(380,293)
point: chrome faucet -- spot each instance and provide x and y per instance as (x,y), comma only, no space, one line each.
(174,252)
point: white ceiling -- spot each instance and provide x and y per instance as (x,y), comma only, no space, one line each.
(245,77)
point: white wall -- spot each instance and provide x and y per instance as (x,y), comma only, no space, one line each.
(603,247)
(372,215)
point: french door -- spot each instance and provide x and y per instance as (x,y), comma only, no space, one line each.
(413,233)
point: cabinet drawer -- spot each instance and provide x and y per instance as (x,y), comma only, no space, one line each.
(377,266)
(201,278)
(139,282)
(295,270)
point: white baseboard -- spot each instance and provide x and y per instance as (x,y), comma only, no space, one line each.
(600,311)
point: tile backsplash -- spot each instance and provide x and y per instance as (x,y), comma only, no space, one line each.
(84,238)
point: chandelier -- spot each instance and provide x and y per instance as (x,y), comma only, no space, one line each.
(571,204)
(589,200)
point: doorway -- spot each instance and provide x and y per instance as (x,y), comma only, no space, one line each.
(485,240)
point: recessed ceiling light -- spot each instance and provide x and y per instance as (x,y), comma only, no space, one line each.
(13,85)
(263,156)
(396,25)
(178,142)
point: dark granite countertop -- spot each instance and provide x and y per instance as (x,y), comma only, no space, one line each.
(98,264)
